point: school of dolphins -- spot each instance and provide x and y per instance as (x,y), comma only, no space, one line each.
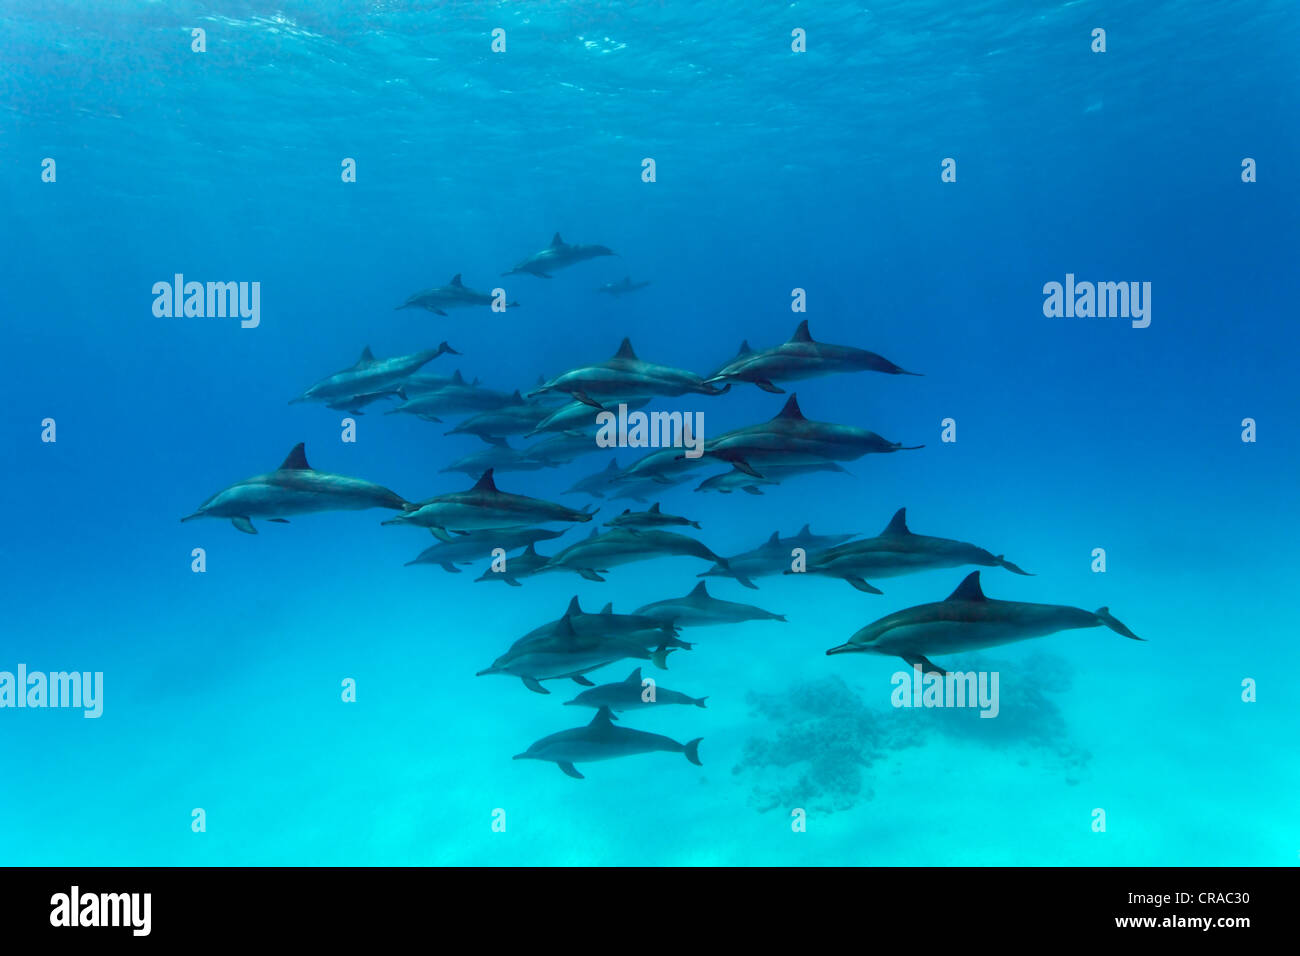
(486,524)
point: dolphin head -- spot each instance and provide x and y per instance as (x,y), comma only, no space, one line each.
(862,641)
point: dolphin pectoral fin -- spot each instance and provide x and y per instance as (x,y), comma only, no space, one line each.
(863,586)
(590,574)
(1013,568)
(495,440)
(441,534)
(1104,615)
(533,684)
(569,768)
(513,582)
(438,312)
(543,275)
(745,582)
(279,520)
(927,666)
(659,657)
(751,490)
(741,465)
(582,681)
(244,525)
(586,399)
(767,386)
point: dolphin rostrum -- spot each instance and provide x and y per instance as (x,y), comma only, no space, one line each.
(294,488)
(631,694)
(482,507)
(558,255)
(699,608)
(622,287)
(370,375)
(791,439)
(601,740)
(626,376)
(799,358)
(968,621)
(453,295)
(897,551)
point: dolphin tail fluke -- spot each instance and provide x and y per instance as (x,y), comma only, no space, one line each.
(699,701)
(1104,615)
(445,349)
(569,769)
(693,751)
(1013,568)
(863,586)
(659,656)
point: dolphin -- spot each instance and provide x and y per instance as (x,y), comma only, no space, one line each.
(602,551)
(499,457)
(370,375)
(577,415)
(649,632)
(630,694)
(494,425)
(459,396)
(523,565)
(801,357)
(642,490)
(596,485)
(664,466)
(562,448)
(791,439)
(479,545)
(622,287)
(558,255)
(729,481)
(772,556)
(968,621)
(352,404)
(601,740)
(700,608)
(483,507)
(453,295)
(653,518)
(626,376)
(897,551)
(294,488)
(563,653)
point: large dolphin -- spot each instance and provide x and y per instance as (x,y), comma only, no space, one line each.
(650,518)
(598,484)
(897,551)
(791,439)
(370,375)
(294,488)
(650,633)
(600,552)
(968,621)
(564,653)
(479,545)
(558,255)
(622,287)
(626,376)
(699,608)
(799,358)
(733,480)
(482,507)
(454,398)
(453,295)
(496,424)
(601,740)
(631,694)
(772,557)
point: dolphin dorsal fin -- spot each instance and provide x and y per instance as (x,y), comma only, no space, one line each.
(699,591)
(775,539)
(805,532)
(574,607)
(485,483)
(744,348)
(556,241)
(367,357)
(898,523)
(626,511)
(969,589)
(625,351)
(613,466)
(634,677)
(801,333)
(564,626)
(455,280)
(517,397)
(654,508)
(608,608)
(603,718)
(531,549)
(791,410)
(296,459)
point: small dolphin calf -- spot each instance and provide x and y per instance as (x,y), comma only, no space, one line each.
(601,740)
(626,376)
(652,518)
(500,456)
(799,358)
(896,551)
(968,621)
(294,488)
(370,375)
(482,507)
(600,552)
(576,415)
(352,404)
(558,255)
(630,694)
(772,557)
(479,545)
(597,485)
(453,295)
(622,287)
(494,425)
(523,565)
(791,439)
(699,608)
(456,397)
(730,481)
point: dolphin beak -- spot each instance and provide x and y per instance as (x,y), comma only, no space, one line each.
(519,757)
(843,649)
(490,670)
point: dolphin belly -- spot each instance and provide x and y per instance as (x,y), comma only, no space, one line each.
(955,637)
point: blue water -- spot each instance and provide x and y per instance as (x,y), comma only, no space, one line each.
(775,170)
